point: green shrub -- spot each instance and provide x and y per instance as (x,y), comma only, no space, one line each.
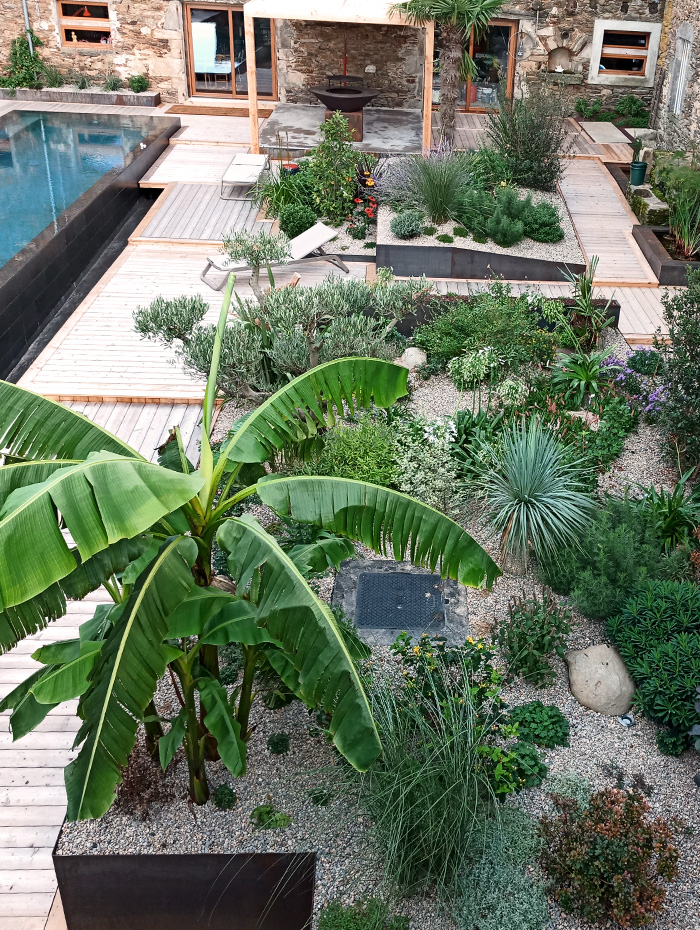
(475,207)
(535,629)
(363,451)
(332,168)
(610,861)
(542,223)
(363,915)
(488,168)
(230,663)
(52,77)
(407,225)
(445,237)
(429,230)
(645,361)
(569,785)
(473,368)
(224,797)
(423,462)
(658,635)
(676,514)
(26,68)
(296,218)
(671,744)
(282,188)
(526,765)
(139,83)
(278,743)
(619,548)
(480,237)
(267,817)
(543,725)
(503,230)
(460,231)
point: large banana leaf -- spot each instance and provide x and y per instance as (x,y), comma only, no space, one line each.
(132,660)
(21,474)
(34,427)
(386,521)
(313,400)
(104,499)
(222,724)
(27,712)
(294,616)
(34,614)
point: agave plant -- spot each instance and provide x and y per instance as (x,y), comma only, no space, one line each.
(582,375)
(534,493)
(80,509)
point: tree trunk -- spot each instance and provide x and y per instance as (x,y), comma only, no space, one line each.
(199,789)
(451,54)
(255,284)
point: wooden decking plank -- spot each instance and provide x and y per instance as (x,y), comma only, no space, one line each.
(22,904)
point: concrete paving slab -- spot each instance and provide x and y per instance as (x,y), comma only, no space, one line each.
(604,132)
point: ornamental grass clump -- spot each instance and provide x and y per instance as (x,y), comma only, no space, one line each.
(431,183)
(610,861)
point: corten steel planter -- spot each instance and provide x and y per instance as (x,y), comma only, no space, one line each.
(126,97)
(668,270)
(255,891)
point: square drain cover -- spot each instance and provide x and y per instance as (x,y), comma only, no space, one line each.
(399,601)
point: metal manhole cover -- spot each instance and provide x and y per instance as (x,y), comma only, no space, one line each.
(399,601)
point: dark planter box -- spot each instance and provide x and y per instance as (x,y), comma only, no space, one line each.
(33,282)
(669,271)
(620,174)
(124,98)
(257,891)
(453,262)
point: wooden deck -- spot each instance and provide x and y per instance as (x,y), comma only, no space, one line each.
(196,213)
(603,221)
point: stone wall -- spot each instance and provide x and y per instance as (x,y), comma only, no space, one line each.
(682,17)
(309,51)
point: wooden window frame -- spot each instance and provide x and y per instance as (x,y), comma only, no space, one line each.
(233,94)
(625,51)
(80,22)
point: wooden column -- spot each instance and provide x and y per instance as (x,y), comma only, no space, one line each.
(252,72)
(428,86)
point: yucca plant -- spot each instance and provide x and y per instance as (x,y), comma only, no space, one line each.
(534,494)
(146,533)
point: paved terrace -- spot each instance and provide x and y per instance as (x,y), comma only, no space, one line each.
(99,365)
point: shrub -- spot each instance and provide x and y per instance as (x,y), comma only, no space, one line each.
(363,451)
(497,896)
(475,207)
(658,635)
(619,549)
(254,250)
(423,461)
(489,168)
(52,77)
(26,68)
(645,361)
(282,188)
(526,765)
(533,493)
(543,725)
(473,367)
(460,231)
(432,184)
(445,237)
(267,817)
(407,225)
(139,83)
(296,218)
(503,230)
(112,82)
(671,744)
(278,743)
(529,133)
(168,320)
(429,230)
(676,514)
(608,862)
(224,797)
(535,629)
(363,915)
(332,167)
(543,223)
(680,415)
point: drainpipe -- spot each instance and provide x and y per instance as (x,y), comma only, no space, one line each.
(27,27)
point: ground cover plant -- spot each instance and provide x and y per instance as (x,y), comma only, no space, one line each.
(372,914)
(543,725)
(629,111)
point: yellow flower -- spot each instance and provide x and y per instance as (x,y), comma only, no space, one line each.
(416,650)
(470,640)
(480,646)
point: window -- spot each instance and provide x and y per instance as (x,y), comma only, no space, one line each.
(680,77)
(84,24)
(624,52)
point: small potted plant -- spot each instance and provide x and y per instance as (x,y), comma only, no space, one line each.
(290,167)
(638,169)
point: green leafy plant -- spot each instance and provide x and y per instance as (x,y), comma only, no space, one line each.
(256,249)
(582,376)
(139,83)
(569,785)
(296,218)
(533,492)
(671,744)
(267,817)
(82,80)
(588,321)
(544,725)
(429,230)
(407,225)
(676,513)
(586,109)
(684,222)
(422,460)
(112,82)
(371,914)
(332,168)
(26,68)
(224,797)
(503,230)
(610,861)
(526,766)
(543,223)
(152,551)
(52,76)
(489,169)
(445,237)
(278,743)
(535,629)
(363,451)
(280,188)
(460,232)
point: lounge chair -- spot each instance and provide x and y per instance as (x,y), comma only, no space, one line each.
(307,247)
(243,172)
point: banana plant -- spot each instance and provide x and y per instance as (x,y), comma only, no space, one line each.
(81,510)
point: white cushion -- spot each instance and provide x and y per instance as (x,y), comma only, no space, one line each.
(299,247)
(245,169)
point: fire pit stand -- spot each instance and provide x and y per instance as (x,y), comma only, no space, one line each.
(346,93)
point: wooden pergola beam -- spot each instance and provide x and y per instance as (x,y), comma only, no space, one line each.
(428,86)
(252,72)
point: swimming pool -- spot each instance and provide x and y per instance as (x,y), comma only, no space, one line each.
(49,159)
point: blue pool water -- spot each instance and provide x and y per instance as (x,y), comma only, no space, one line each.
(48,160)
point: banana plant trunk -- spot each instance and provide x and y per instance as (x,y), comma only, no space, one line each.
(451,55)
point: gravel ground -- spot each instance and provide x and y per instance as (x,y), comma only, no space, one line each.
(567,250)
(344,244)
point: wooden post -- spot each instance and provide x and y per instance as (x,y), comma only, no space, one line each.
(428,86)
(252,72)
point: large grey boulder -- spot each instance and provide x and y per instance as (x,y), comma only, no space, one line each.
(599,680)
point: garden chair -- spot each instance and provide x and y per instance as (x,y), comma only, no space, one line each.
(243,172)
(305,248)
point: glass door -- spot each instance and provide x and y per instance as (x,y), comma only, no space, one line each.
(494,58)
(217,59)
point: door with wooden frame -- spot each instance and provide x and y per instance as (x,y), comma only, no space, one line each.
(216,58)
(494,58)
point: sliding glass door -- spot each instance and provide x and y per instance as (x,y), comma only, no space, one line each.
(494,57)
(216,53)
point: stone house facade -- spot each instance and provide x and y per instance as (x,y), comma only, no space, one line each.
(678,76)
(567,43)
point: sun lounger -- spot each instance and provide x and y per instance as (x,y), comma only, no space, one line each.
(243,172)
(307,247)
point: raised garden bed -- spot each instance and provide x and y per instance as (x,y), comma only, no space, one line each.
(668,270)
(71,94)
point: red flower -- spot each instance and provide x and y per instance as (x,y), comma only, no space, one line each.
(357,200)
(369,211)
